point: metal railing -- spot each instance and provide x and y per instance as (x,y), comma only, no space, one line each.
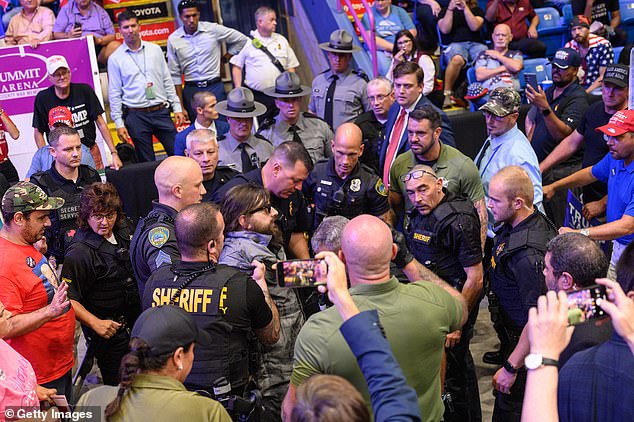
(369,36)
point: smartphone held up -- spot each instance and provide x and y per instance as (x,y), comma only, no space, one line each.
(301,273)
(583,306)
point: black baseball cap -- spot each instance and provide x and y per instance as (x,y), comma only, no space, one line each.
(166,328)
(618,74)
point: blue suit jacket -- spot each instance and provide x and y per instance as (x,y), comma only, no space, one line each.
(180,142)
(446,136)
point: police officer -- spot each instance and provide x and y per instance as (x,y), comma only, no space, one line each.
(516,274)
(202,147)
(341,185)
(179,182)
(222,300)
(101,280)
(443,234)
(239,148)
(293,125)
(66,179)
(339,93)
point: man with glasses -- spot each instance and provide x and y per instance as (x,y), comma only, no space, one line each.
(291,124)
(443,233)
(554,115)
(408,91)
(585,136)
(66,178)
(339,93)
(372,122)
(459,174)
(194,52)
(341,185)
(84,105)
(615,170)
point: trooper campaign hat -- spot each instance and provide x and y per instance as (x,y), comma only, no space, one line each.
(340,42)
(287,85)
(240,103)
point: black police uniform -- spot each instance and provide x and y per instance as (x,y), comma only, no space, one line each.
(153,243)
(63,220)
(221,176)
(517,280)
(446,241)
(100,277)
(362,192)
(373,133)
(294,214)
(222,301)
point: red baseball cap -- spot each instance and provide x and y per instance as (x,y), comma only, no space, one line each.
(621,122)
(60,114)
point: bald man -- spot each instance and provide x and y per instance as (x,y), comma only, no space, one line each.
(202,147)
(341,185)
(416,317)
(516,277)
(179,181)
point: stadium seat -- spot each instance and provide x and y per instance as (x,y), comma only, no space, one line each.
(550,29)
(617,53)
(541,67)
(627,17)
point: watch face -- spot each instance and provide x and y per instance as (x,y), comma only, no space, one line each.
(533,361)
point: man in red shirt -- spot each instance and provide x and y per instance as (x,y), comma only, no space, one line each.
(43,323)
(514,13)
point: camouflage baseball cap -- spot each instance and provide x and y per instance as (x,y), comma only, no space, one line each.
(502,102)
(25,196)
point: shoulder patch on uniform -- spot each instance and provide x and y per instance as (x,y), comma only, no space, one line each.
(380,188)
(162,258)
(360,73)
(158,236)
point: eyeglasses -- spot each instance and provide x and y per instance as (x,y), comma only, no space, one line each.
(378,98)
(100,217)
(488,115)
(266,207)
(416,175)
(62,73)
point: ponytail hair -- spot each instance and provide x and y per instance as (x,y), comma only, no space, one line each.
(138,360)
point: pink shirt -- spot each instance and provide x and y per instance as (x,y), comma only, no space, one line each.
(17,381)
(23,30)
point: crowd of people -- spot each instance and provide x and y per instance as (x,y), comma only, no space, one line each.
(182,313)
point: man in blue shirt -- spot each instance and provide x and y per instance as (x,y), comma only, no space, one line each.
(617,171)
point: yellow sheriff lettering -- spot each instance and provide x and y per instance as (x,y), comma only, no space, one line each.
(194,301)
(422,237)
(223,296)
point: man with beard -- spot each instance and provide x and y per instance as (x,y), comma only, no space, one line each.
(554,115)
(614,95)
(459,174)
(615,169)
(341,185)
(252,235)
(202,147)
(224,302)
(66,178)
(595,51)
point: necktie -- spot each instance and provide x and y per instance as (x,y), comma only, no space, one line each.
(294,129)
(484,149)
(247,165)
(329,101)
(392,147)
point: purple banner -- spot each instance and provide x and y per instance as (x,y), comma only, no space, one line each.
(23,71)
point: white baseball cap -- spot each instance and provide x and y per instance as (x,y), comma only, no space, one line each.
(55,62)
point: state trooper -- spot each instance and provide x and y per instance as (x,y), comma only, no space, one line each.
(339,93)
(179,181)
(66,179)
(516,274)
(443,234)
(341,185)
(293,125)
(222,300)
(239,148)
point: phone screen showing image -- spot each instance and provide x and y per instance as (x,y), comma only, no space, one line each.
(301,273)
(582,304)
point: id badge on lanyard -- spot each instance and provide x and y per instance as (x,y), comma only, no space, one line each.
(150,93)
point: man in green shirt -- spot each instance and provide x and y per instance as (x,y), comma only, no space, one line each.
(459,173)
(416,318)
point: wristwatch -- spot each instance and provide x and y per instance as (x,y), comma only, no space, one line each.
(536,360)
(546,112)
(509,367)
(585,232)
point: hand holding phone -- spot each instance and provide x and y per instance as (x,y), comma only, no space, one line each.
(531,80)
